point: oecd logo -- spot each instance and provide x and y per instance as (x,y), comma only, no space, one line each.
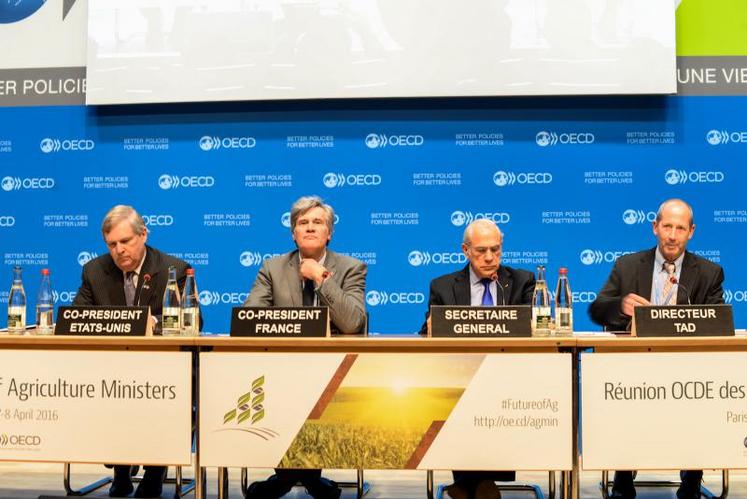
(63,296)
(86,256)
(722,137)
(632,217)
(379,140)
(167,182)
(13,11)
(251,258)
(15,183)
(332,180)
(421,258)
(248,258)
(738,296)
(285,219)
(49,145)
(674,177)
(208,298)
(7,221)
(544,138)
(591,257)
(461,218)
(208,143)
(158,220)
(502,178)
(376,298)
(9,183)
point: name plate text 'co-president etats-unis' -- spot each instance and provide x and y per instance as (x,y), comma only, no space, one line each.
(103,321)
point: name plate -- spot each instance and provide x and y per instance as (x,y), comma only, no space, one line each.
(280,322)
(512,321)
(683,320)
(103,321)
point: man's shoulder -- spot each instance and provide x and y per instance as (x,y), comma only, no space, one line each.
(635,258)
(705,264)
(166,260)
(446,279)
(100,263)
(518,274)
(344,261)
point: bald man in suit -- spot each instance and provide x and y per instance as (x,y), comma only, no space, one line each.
(645,278)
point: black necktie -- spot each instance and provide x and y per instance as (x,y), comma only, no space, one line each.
(308,293)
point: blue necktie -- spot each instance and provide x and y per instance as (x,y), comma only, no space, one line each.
(487,298)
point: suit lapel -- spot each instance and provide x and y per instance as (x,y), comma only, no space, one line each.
(462,295)
(688,276)
(292,281)
(151,266)
(645,272)
(116,290)
(506,285)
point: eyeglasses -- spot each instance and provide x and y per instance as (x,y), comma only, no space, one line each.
(482,250)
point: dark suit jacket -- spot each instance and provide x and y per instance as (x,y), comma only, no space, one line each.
(103,282)
(278,285)
(700,281)
(454,289)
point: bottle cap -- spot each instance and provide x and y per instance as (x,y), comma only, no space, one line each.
(563,271)
(190,271)
(45,272)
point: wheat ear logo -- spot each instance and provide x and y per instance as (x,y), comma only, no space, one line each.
(249,411)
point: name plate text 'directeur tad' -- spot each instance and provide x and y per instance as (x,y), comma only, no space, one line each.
(103,321)
(481,322)
(280,322)
(683,320)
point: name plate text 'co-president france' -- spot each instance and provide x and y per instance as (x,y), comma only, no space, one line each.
(684,320)
(103,321)
(481,322)
(280,322)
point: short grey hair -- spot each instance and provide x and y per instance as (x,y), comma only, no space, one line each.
(482,223)
(663,206)
(123,212)
(306,203)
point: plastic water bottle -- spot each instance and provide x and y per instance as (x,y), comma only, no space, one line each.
(541,309)
(45,306)
(190,306)
(171,312)
(17,304)
(563,305)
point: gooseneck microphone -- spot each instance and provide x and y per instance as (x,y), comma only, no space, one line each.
(675,282)
(501,287)
(146,285)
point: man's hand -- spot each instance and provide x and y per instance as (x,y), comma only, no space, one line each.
(313,270)
(630,301)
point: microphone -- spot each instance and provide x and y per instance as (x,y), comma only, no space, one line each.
(675,282)
(501,287)
(146,285)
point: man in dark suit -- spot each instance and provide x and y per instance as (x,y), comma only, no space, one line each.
(132,273)
(483,282)
(311,275)
(649,277)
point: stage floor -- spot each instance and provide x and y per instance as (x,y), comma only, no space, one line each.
(19,480)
